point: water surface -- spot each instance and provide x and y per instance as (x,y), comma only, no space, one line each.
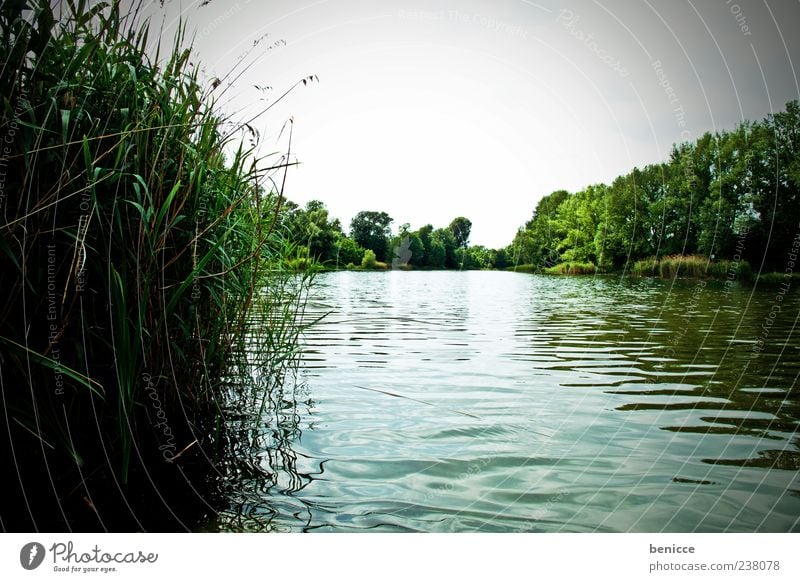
(496,401)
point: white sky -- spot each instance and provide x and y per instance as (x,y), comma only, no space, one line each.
(430,110)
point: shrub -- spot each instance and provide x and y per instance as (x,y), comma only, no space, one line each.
(369,261)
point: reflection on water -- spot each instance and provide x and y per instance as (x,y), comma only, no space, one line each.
(491,401)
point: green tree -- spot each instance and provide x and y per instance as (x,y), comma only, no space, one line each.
(776,183)
(370,229)
(536,243)
(436,253)
(311,227)
(407,247)
(320,232)
(460,227)
(424,235)
(501,260)
(348,251)
(445,237)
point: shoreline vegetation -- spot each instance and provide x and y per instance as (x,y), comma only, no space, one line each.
(674,267)
(139,240)
(719,206)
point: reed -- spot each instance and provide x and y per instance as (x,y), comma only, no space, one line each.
(137,236)
(691,266)
(524,269)
(572,268)
(645,268)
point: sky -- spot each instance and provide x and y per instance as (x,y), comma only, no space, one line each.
(437,109)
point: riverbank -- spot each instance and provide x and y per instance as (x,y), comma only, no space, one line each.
(719,273)
(671,267)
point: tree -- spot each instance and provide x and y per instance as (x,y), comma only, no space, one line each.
(310,227)
(370,229)
(436,254)
(417,250)
(407,248)
(479,257)
(536,243)
(500,260)
(348,251)
(424,235)
(320,233)
(444,236)
(460,227)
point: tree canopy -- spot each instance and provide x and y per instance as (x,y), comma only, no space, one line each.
(370,229)
(727,194)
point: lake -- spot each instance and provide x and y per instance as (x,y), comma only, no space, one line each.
(496,401)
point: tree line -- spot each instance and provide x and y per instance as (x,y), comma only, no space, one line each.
(370,242)
(729,194)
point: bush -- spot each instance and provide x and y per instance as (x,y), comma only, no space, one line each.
(348,251)
(369,261)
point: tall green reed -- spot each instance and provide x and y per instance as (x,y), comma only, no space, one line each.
(137,238)
(695,266)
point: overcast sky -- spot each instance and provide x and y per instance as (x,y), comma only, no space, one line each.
(429,110)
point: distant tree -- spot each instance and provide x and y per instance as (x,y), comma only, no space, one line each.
(311,227)
(348,251)
(479,257)
(536,243)
(424,235)
(370,229)
(500,260)
(444,236)
(320,233)
(725,191)
(407,248)
(461,227)
(417,250)
(436,254)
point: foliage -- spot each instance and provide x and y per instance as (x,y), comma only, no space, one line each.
(695,266)
(572,268)
(370,229)
(460,227)
(730,195)
(445,238)
(348,251)
(312,227)
(369,261)
(135,235)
